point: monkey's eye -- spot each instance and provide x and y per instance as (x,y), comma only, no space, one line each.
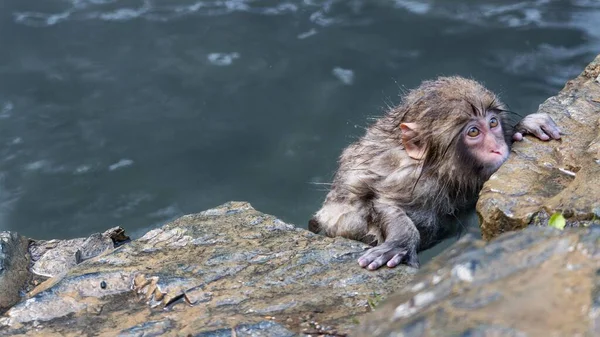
(473,132)
(493,122)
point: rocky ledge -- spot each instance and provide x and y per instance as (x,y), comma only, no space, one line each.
(536,282)
(543,178)
(228,271)
(233,271)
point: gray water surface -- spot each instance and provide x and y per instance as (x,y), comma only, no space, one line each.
(136,112)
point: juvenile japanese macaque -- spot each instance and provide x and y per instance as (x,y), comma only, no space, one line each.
(401,187)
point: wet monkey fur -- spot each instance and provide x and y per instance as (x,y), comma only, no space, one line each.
(401,186)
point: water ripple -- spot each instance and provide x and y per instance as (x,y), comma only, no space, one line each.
(107,10)
(6,109)
(323,13)
(222,59)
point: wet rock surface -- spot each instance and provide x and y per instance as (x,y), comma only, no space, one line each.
(53,257)
(228,271)
(14,267)
(25,262)
(536,282)
(541,178)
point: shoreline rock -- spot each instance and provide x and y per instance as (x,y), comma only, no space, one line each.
(536,282)
(541,178)
(14,272)
(25,263)
(205,274)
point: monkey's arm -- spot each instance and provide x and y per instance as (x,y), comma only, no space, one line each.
(401,239)
(539,124)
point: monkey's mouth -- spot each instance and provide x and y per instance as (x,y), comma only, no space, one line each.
(496,159)
(503,155)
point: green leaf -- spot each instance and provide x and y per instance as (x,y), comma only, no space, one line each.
(557,220)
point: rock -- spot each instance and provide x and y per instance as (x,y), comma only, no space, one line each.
(541,178)
(117,235)
(536,282)
(54,257)
(24,263)
(14,272)
(226,269)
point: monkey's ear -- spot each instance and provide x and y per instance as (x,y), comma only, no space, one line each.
(414,148)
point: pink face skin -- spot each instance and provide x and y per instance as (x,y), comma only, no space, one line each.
(485,140)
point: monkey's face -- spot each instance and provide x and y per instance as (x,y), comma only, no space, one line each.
(484,139)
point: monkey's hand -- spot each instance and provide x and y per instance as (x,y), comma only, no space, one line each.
(539,124)
(390,253)
(401,241)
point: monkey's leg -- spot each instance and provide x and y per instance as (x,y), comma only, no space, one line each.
(401,240)
(347,219)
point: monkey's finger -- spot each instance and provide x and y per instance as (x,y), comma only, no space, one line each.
(376,264)
(518,136)
(382,259)
(379,256)
(552,130)
(364,261)
(395,260)
(369,257)
(538,132)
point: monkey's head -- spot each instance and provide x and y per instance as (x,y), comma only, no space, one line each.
(455,126)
